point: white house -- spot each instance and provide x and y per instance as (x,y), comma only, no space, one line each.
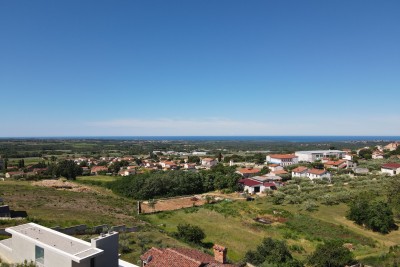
(377,155)
(318,174)
(282,159)
(300,171)
(391,168)
(253,186)
(49,248)
(313,155)
(208,162)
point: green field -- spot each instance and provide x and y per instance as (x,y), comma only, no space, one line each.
(98,178)
(232,225)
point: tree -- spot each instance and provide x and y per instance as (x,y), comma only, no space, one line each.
(190,233)
(331,254)
(376,215)
(194,159)
(68,169)
(271,253)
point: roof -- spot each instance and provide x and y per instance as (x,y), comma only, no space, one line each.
(317,171)
(280,172)
(268,184)
(282,156)
(248,170)
(300,169)
(391,166)
(249,182)
(335,163)
(74,248)
(99,168)
(207,159)
(180,257)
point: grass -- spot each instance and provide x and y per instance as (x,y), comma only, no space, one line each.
(98,178)
(232,225)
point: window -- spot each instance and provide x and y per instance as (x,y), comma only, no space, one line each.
(39,255)
(92,262)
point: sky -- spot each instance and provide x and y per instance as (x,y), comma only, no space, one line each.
(199,67)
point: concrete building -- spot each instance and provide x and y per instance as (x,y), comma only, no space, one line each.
(49,248)
(282,159)
(314,155)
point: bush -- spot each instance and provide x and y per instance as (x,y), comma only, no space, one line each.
(332,254)
(190,233)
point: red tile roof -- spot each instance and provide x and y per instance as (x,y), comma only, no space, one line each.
(180,257)
(279,172)
(391,165)
(249,182)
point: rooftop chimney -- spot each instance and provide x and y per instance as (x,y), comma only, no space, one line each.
(220,253)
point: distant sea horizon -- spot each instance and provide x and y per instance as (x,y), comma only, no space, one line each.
(272,138)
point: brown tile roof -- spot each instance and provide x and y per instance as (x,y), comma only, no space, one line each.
(99,168)
(180,257)
(283,156)
(317,171)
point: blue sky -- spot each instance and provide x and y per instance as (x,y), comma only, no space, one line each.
(199,67)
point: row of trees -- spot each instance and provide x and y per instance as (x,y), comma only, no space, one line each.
(175,183)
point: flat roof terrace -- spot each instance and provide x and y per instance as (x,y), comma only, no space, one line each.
(69,246)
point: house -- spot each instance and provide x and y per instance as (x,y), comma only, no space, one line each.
(392,146)
(184,257)
(377,155)
(189,166)
(317,174)
(314,155)
(208,162)
(96,169)
(248,172)
(168,164)
(282,159)
(127,172)
(16,174)
(336,164)
(275,167)
(391,168)
(48,248)
(300,171)
(256,185)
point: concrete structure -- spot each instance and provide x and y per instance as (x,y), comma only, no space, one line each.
(314,155)
(391,168)
(282,159)
(49,248)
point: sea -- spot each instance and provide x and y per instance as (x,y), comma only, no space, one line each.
(304,139)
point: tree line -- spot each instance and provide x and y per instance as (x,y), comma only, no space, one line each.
(175,183)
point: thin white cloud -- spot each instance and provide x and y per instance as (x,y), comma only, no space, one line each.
(224,126)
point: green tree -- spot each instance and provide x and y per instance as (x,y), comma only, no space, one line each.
(331,254)
(68,169)
(271,253)
(190,233)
